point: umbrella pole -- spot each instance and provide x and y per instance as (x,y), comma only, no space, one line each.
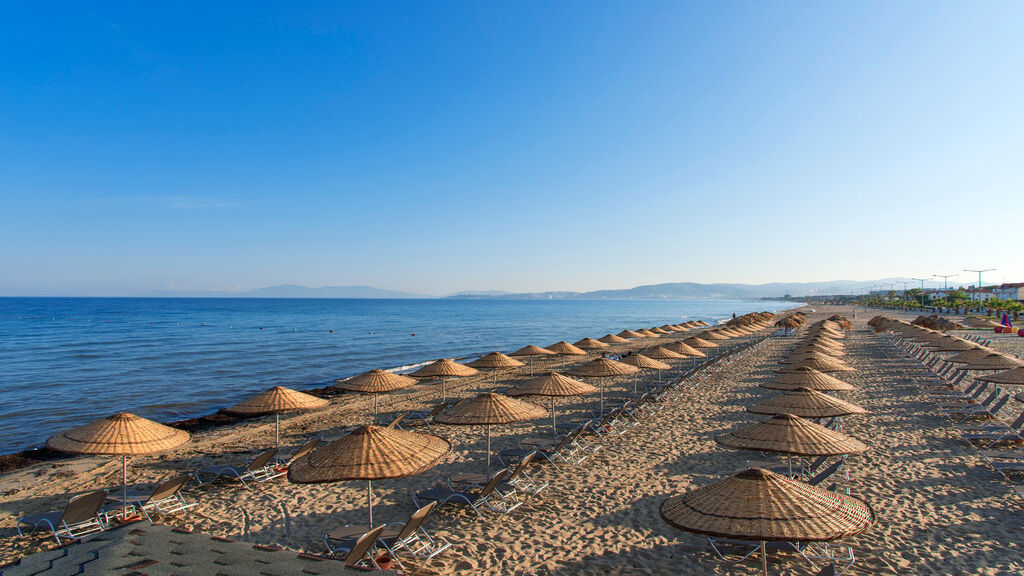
(277,429)
(374,408)
(444,395)
(554,426)
(602,396)
(488,426)
(124,486)
(369,500)
(764,558)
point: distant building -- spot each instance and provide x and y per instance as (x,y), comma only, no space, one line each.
(1012,291)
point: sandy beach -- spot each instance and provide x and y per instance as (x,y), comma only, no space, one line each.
(940,508)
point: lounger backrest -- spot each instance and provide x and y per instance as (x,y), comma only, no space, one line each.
(565,440)
(305,449)
(817,463)
(498,478)
(437,409)
(398,419)
(980,390)
(169,488)
(83,507)
(999,405)
(262,460)
(522,464)
(362,546)
(826,473)
(991,397)
(415,521)
(970,389)
(1019,422)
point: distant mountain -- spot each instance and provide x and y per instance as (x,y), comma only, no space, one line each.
(294,291)
(689,290)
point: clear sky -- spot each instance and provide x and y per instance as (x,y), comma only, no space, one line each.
(444,146)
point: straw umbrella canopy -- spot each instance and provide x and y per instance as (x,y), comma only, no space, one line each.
(370,453)
(531,351)
(971,355)
(564,349)
(604,368)
(788,323)
(647,333)
(789,434)
(798,356)
(993,361)
(684,348)
(645,363)
(275,401)
(953,344)
(1014,376)
(444,368)
(629,334)
(695,342)
(489,409)
(701,323)
(823,364)
(375,382)
(805,377)
(612,339)
(761,506)
(123,434)
(806,403)
(663,353)
(553,384)
(495,361)
(590,344)
(710,335)
(658,330)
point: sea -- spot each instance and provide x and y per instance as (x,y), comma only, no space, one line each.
(67,361)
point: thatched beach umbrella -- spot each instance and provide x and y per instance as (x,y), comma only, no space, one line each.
(993,361)
(796,357)
(495,361)
(370,453)
(952,344)
(806,403)
(530,352)
(612,339)
(658,331)
(564,349)
(761,506)
(603,368)
(820,363)
(645,363)
(647,333)
(275,401)
(444,369)
(590,344)
(553,384)
(489,409)
(684,348)
(971,355)
(123,434)
(695,342)
(788,323)
(663,353)
(789,434)
(375,382)
(629,334)
(807,378)
(1014,376)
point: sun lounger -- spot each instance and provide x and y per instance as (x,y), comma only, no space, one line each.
(83,515)
(302,451)
(398,419)
(995,433)
(518,480)
(554,452)
(262,468)
(165,499)
(426,417)
(990,411)
(409,537)
(360,552)
(479,500)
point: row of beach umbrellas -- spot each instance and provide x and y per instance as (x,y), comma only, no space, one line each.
(761,506)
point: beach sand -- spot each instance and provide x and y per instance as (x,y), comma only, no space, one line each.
(940,508)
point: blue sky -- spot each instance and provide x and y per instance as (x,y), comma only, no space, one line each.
(441,146)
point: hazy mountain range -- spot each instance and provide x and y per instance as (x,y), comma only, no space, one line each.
(670,291)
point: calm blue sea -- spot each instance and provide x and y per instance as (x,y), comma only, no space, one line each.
(66,361)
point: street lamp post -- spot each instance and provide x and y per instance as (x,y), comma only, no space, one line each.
(945,281)
(978,287)
(922,290)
